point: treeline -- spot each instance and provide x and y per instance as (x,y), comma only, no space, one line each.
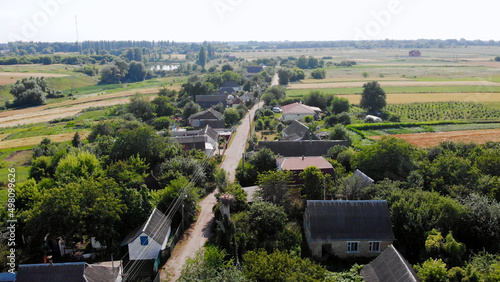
(56,59)
(368,44)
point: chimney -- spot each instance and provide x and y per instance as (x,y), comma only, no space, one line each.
(302,157)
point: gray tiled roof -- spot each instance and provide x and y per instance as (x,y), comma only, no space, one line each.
(349,220)
(206,114)
(298,131)
(156,227)
(389,266)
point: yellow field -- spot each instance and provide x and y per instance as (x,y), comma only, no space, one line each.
(393,84)
(406,98)
(30,141)
(12,77)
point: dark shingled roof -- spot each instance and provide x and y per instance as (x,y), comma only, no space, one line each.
(207,114)
(68,272)
(349,220)
(301,147)
(155,227)
(389,266)
(229,84)
(298,131)
(254,69)
(226,90)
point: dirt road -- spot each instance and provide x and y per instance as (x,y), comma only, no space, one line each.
(196,236)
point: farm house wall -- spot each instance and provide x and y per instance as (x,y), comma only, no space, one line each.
(140,252)
(339,248)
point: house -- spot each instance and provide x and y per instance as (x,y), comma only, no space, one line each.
(226,91)
(71,272)
(298,131)
(254,70)
(205,139)
(301,147)
(247,96)
(299,111)
(207,101)
(231,84)
(208,117)
(347,228)
(147,240)
(298,164)
(389,266)
(414,53)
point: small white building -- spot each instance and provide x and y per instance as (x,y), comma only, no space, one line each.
(146,241)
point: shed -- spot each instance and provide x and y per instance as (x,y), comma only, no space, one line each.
(147,240)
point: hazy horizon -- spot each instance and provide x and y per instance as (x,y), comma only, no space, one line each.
(240,20)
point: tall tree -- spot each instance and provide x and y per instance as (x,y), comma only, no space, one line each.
(202,57)
(373,97)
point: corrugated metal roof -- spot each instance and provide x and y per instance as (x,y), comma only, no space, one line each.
(389,266)
(349,220)
(155,227)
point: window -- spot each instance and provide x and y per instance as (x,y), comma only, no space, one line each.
(352,247)
(375,246)
(144,240)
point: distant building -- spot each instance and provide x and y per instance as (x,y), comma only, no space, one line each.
(231,84)
(389,266)
(414,53)
(207,101)
(298,110)
(298,131)
(205,139)
(301,147)
(254,70)
(347,228)
(299,164)
(208,117)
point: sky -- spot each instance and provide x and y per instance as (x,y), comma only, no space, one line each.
(244,20)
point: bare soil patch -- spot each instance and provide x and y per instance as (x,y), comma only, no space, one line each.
(393,84)
(12,77)
(430,139)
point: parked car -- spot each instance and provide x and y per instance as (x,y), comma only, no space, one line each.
(277,110)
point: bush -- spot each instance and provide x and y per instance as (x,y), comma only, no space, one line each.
(318,73)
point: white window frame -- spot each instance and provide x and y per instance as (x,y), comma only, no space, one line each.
(373,244)
(350,245)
